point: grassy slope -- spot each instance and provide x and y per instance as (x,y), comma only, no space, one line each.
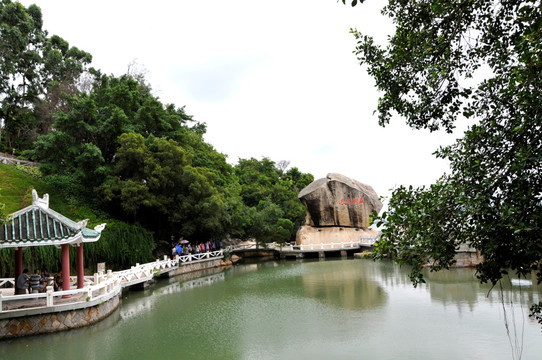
(16,193)
(121,245)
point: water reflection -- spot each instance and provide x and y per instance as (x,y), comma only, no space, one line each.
(461,287)
(348,309)
(176,285)
(344,286)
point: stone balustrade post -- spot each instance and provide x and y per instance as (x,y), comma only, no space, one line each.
(110,280)
(102,282)
(49,301)
(89,290)
(0,301)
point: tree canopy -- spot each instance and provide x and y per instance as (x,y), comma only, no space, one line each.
(107,141)
(272,210)
(480,61)
(36,70)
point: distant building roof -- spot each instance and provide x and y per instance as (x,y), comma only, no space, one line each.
(38,225)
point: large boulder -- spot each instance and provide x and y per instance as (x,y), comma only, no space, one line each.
(339,201)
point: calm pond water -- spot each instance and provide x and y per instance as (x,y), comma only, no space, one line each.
(332,309)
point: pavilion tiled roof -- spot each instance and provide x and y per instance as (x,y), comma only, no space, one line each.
(38,225)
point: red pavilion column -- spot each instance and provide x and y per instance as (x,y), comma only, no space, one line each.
(18,262)
(66,268)
(80,267)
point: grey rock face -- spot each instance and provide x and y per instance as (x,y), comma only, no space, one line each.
(337,200)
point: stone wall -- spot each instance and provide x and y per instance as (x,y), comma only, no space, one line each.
(468,259)
(308,235)
(59,321)
(187,268)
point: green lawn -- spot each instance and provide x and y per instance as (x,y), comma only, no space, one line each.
(16,193)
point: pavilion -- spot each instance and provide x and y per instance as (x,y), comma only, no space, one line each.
(38,225)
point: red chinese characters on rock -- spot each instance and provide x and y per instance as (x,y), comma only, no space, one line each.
(353,201)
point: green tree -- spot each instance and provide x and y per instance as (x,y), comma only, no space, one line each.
(82,146)
(481,61)
(154,181)
(273,211)
(35,71)
(270,225)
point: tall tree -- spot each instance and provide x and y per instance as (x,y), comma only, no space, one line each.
(156,183)
(84,141)
(273,211)
(35,71)
(479,60)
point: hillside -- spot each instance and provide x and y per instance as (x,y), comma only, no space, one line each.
(16,186)
(121,245)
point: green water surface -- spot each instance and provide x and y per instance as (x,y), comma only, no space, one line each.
(332,309)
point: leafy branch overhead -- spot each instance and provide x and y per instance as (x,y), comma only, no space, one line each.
(476,61)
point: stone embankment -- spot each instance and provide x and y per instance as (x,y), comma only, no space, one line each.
(44,320)
(59,321)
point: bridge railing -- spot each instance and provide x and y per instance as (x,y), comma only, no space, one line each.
(105,287)
(323,246)
(146,271)
(193,258)
(368,240)
(255,246)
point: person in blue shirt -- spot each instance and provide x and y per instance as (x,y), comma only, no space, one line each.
(179,249)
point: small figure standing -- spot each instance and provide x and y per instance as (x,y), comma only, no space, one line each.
(22,283)
(46,278)
(179,249)
(57,282)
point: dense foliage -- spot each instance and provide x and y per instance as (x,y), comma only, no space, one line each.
(273,211)
(36,70)
(107,142)
(475,60)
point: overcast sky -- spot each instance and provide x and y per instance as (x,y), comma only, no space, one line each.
(274,79)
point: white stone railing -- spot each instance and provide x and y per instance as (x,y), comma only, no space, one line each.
(194,258)
(143,272)
(12,160)
(323,246)
(4,281)
(103,285)
(255,246)
(104,288)
(244,246)
(368,240)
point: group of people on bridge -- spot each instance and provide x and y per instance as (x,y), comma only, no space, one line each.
(185,247)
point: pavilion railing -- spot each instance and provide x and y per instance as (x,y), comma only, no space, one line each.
(7,281)
(105,286)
